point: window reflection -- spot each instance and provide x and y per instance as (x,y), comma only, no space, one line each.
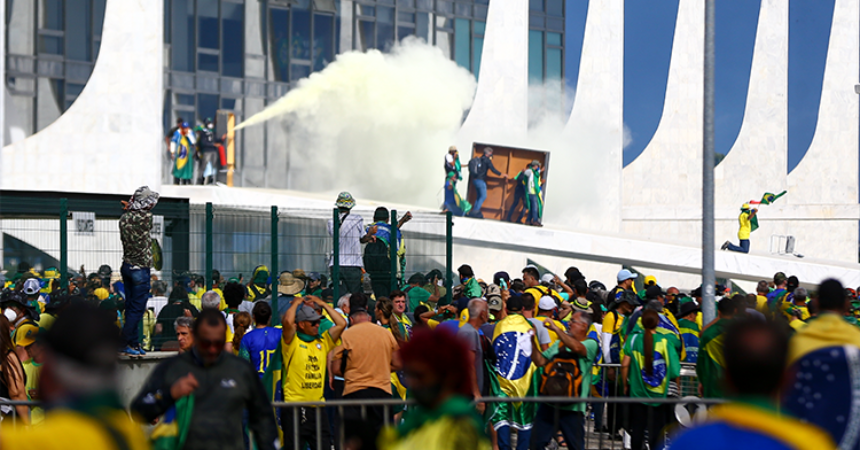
(232,49)
(323,40)
(207,23)
(301,45)
(279,51)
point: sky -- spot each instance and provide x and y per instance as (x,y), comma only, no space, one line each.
(649,27)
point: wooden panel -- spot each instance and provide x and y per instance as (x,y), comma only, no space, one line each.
(500,192)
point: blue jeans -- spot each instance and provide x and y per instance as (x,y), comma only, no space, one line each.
(481,187)
(744,248)
(570,423)
(523,438)
(533,209)
(136,281)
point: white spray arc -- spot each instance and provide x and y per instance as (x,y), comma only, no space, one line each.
(375,124)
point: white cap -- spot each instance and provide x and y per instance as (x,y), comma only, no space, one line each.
(32,286)
(547,278)
(546,303)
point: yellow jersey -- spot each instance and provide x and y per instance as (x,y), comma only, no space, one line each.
(305,362)
(65,429)
(745,226)
(33,370)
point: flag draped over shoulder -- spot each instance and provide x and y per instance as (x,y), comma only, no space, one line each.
(171,432)
(515,372)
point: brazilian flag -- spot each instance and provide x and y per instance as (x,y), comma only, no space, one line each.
(515,373)
(172,430)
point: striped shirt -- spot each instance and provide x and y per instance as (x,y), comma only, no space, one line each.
(351,231)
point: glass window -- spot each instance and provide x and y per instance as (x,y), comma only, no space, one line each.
(462,38)
(384,27)
(207,62)
(478,48)
(535,56)
(207,24)
(99,16)
(553,64)
(279,35)
(553,39)
(301,29)
(422,26)
(78,30)
(51,45)
(300,71)
(366,10)
(479,27)
(405,17)
(185,99)
(207,106)
(51,15)
(536,5)
(444,22)
(445,41)
(233,47)
(74,89)
(323,40)
(228,103)
(555,8)
(404,32)
(182,36)
(366,35)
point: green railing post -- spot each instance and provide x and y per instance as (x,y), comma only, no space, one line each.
(335,267)
(392,249)
(275,273)
(64,242)
(449,257)
(209,219)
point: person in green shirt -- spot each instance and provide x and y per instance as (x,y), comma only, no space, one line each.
(711,363)
(471,288)
(415,294)
(650,363)
(571,417)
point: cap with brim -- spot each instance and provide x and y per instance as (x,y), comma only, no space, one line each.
(494,303)
(300,274)
(779,277)
(307,314)
(547,278)
(624,275)
(289,285)
(579,306)
(32,286)
(515,303)
(143,198)
(546,303)
(345,200)
(25,335)
(687,308)
(653,292)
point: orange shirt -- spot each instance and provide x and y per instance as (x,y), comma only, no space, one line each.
(368,363)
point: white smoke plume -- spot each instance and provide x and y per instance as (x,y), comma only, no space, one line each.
(375,124)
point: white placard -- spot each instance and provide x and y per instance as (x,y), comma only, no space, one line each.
(157,231)
(85,223)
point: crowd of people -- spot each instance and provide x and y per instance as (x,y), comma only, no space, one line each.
(784,356)
(196,154)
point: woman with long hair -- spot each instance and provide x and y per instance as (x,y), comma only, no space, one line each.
(650,362)
(241,324)
(12,379)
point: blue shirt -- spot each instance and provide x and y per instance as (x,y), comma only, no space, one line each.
(383,231)
(258,346)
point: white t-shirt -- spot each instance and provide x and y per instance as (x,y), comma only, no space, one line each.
(351,231)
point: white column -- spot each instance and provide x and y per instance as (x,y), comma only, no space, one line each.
(110,139)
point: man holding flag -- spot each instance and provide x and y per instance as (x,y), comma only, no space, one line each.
(512,344)
(749,222)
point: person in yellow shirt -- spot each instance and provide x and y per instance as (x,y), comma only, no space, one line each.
(761,291)
(305,352)
(745,220)
(79,376)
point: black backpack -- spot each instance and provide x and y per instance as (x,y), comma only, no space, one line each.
(561,376)
(474,166)
(376,257)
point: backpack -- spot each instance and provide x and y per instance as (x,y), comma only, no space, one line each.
(561,377)
(474,166)
(376,257)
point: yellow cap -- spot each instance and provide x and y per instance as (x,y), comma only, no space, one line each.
(745,206)
(101,293)
(650,280)
(25,334)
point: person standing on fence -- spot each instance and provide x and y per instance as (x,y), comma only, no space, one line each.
(259,288)
(79,382)
(650,363)
(556,370)
(436,366)
(822,359)
(366,359)
(709,364)
(350,238)
(134,230)
(304,351)
(377,253)
(755,355)
(218,387)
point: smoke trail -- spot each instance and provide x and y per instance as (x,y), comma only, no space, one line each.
(377,124)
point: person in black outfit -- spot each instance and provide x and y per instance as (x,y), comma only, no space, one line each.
(478,168)
(207,145)
(223,386)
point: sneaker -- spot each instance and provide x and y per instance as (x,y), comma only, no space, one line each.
(129,351)
(141,350)
(725,245)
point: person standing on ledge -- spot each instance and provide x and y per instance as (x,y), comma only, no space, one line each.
(478,168)
(748,224)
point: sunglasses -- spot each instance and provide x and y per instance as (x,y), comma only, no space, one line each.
(211,344)
(314,323)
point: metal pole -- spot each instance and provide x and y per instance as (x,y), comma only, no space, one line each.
(392,249)
(708,275)
(449,257)
(209,218)
(64,242)
(335,267)
(274,273)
